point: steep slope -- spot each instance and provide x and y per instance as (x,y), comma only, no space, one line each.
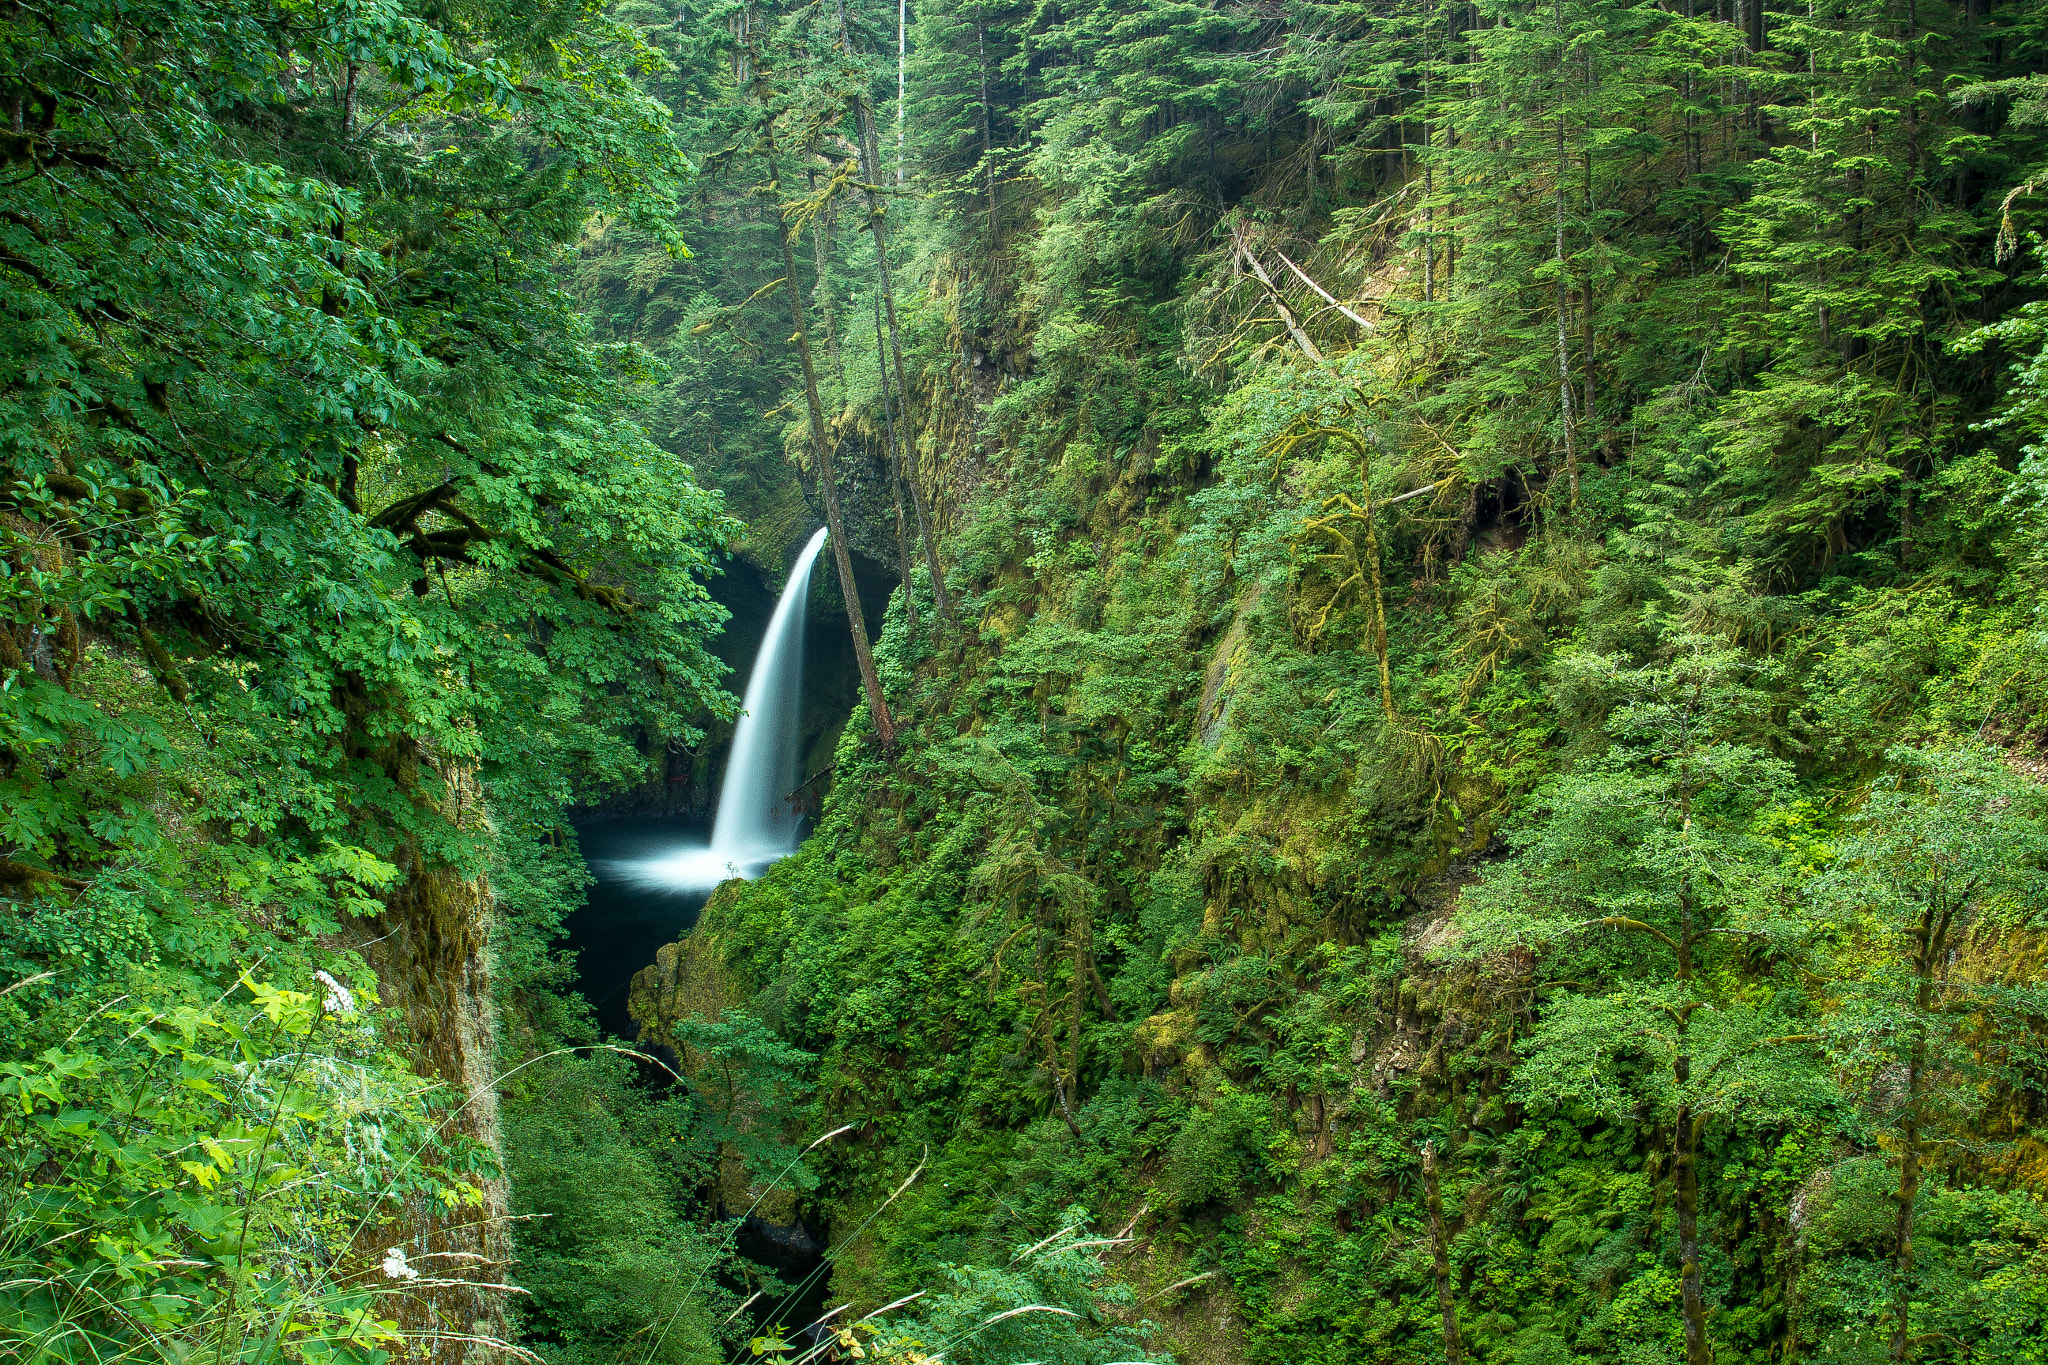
(1496,552)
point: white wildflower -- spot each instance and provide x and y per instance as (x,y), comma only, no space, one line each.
(341,1002)
(395,1267)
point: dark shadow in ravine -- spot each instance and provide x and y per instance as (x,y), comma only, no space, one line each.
(625,921)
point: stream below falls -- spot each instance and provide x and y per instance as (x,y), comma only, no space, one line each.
(654,874)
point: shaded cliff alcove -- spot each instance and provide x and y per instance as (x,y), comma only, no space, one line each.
(622,922)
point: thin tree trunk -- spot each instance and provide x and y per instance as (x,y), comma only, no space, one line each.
(1379,606)
(1428,180)
(1685,1178)
(1794,1254)
(896,479)
(988,147)
(821,250)
(1454,1347)
(1685,1153)
(1564,360)
(1084,942)
(902,50)
(1588,421)
(1373,586)
(872,157)
(1455,208)
(1587,418)
(1931,945)
(821,451)
(1909,1195)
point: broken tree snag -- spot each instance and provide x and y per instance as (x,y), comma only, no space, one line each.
(1325,295)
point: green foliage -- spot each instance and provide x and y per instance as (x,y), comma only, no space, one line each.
(188,1177)
(601,1173)
(1690,334)
(335,567)
(1218,1151)
(1693,519)
(1980,1253)
(1051,1302)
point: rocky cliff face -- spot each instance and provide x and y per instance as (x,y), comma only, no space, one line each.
(431,950)
(689,982)
(432,957)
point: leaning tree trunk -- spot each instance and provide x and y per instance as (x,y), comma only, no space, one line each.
(870,176)
(821,451)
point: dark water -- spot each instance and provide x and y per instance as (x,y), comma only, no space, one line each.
(624,922)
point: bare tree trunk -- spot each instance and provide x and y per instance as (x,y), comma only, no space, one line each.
(872,158)
(1287,318)
(821,451)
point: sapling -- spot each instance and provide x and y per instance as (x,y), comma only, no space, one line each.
(1656,840)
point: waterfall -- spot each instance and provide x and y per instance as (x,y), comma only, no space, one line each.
(755,824)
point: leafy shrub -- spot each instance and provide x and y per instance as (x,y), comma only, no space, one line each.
(215,1177)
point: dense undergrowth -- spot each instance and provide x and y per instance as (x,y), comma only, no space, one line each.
(1475,794)
(331,577)
(1487,801)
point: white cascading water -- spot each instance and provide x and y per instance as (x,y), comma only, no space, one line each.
(755,824)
